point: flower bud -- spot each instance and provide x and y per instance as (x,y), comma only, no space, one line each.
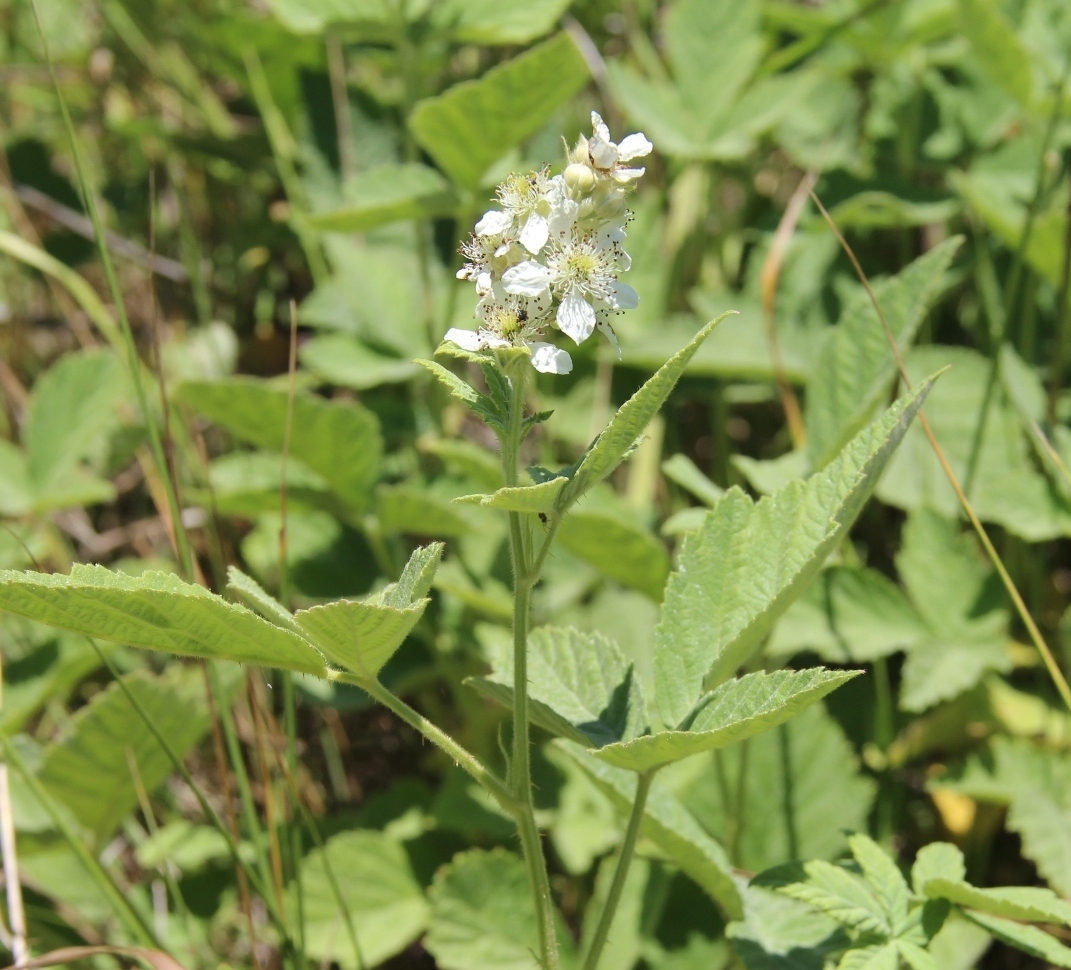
(579,177)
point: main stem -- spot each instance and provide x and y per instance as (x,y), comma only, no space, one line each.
(521,769)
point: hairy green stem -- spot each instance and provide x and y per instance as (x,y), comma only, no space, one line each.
(624,860)
(524,579)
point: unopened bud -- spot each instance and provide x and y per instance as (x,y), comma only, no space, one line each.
(579,177)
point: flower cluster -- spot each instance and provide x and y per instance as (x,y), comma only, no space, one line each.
(552,254)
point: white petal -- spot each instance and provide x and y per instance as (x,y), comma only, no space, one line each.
(599,126)
(528,278)
(465,339)
(494,222)
(483,284)
(603,153)
(548,359)
(576,317)
(535,233)
(623,175)
(562,216)
(611,336)
(634,146)
(625,297)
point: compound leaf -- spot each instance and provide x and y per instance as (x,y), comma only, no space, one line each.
(361,636)
(579,685)
(155,611)
(750,560)
(736,710)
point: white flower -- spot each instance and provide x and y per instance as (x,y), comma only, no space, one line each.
(582,272)
(606,157)
(546,358)
(489,252)
(538,205)
(511,320)
(553,252)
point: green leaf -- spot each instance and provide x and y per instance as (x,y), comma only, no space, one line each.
(480,404)
(997,48)
(682,470)
(470,126)
(736,710)
(610,539)
(88,768)
(670,825)
(16,490)
(256,598)
(1029,939)
(915,957)
(886,880)
(778,933)
(1027,903)
(482,915)
(249,482)
(154,611)
(532,499)
(387,193)
(938,860)
(751,560)
(969,417)
(72,406)
(1026,394)
(616,440)
(495,22)
(1035,784)
(855,366)
(45,675)
(362,636)
(713,47)
(314,16)
(465,459)
(377,885)
(878,209)
(948,581)
(345,361)
(338,440)
(415,580)
(885,957)
(847,615)
(835,892)
(803,791)
(579,685)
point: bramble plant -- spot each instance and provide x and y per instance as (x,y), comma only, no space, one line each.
(377,592)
